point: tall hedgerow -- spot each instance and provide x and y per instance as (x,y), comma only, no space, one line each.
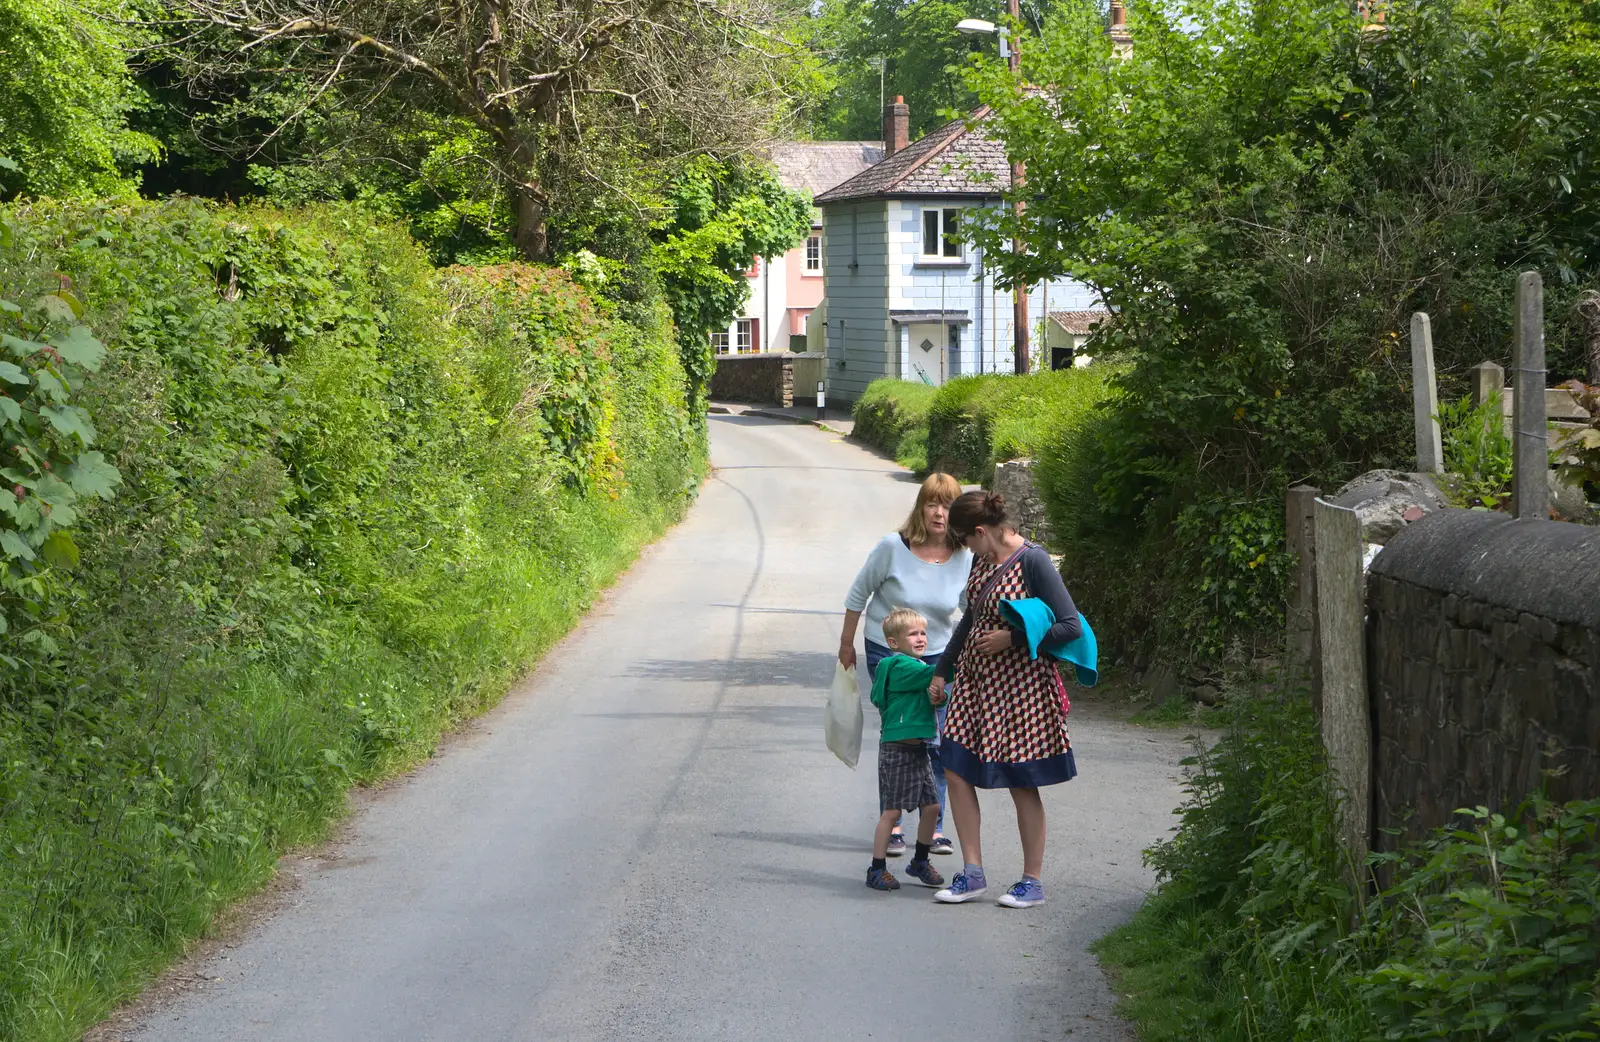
(358,497)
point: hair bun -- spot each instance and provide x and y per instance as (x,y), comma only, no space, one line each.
(994,505)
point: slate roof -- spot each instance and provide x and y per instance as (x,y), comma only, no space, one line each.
(1078,323)
(957,159)
(816,166)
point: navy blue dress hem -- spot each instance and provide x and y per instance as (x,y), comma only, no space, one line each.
(1031,774)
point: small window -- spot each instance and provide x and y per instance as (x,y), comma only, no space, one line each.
(814,253)
(746,338)
(719,342)
(940,232)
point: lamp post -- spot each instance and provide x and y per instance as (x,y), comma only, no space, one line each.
(1019,293)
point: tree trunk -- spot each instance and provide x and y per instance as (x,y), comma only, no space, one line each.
(533,230)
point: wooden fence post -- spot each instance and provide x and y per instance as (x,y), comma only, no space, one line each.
(1530,458)
(1425,396)
(1346,716)
(1300,540)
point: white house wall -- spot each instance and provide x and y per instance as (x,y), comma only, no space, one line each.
(967,286)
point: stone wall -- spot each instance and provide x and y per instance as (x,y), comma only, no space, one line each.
(1484,662)
(780,378)
(1014,479)
(767,379)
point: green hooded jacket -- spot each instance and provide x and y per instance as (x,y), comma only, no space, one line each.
(900,691)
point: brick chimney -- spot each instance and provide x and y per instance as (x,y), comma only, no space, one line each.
(1117,29)
(896,126)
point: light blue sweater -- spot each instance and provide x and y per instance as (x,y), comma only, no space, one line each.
(894,577)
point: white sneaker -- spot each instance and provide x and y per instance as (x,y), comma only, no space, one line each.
(958,891)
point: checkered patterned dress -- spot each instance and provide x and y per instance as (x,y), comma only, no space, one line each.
(1007,724)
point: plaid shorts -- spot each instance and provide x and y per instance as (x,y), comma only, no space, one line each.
(905,778)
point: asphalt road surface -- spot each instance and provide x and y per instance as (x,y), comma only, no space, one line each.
(649,840)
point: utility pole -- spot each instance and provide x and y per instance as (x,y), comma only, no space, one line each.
(1019,317)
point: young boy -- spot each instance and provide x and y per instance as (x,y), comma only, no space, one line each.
(905,779)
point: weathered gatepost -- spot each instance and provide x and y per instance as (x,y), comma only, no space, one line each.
(1530,447)
(1341,677)
(1425,397)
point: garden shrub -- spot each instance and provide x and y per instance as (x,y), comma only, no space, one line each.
(1490,930)
(976,422)
(358,497)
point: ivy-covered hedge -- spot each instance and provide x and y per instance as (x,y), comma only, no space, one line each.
(358,497)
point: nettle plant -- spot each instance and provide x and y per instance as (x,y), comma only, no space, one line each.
(46,459)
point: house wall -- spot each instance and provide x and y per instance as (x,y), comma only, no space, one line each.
(856,284)
(926,284)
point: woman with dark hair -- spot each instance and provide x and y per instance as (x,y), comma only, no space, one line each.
(919,567)
(1006,727)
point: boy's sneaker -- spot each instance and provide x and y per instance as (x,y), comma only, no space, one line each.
(1024,894)
(924,873)
(941,845)
(897,845)
(882,879)
(959,890)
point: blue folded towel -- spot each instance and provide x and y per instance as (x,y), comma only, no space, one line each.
(1034,618)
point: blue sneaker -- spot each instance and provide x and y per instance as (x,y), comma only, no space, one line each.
(882,879)
(959,890)
(1025,894)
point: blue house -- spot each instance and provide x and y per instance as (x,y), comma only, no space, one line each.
(904,295)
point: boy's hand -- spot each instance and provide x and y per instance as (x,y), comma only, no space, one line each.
(936,691)
(994,642)
(847,656)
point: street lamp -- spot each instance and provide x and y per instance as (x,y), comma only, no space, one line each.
(1019,293)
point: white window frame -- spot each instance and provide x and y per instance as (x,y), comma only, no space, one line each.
(744,337)
(720,342)
(946,246)
(814,254)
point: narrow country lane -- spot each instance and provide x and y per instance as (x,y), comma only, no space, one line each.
(648,839)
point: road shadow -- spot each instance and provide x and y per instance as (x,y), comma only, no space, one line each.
(808,669)
(803,840)
(772,716)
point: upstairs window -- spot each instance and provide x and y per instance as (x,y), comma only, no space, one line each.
(939,232)
(719,342)
(814,253)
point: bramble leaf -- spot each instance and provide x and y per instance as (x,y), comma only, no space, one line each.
(14,546)
(79,347)
(60,550)
(91,475)
(69,421)
(13,373)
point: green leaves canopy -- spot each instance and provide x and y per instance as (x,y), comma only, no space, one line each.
(65,96)
(1265,191)
(724,216)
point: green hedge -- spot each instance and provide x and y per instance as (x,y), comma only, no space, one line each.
(973,422)
(978,421)
(360,496)
(892,415)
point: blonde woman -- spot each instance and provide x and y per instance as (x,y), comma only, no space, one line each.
(921,568)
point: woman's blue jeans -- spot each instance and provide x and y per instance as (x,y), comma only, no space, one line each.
(876,653)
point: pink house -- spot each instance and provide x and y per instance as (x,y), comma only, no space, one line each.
(784,290)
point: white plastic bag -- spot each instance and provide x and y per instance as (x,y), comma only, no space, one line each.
(841,723)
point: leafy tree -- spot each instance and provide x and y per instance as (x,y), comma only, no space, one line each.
(561,102)
(877,49)
(723,216)
(1265,191)
(65,97)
